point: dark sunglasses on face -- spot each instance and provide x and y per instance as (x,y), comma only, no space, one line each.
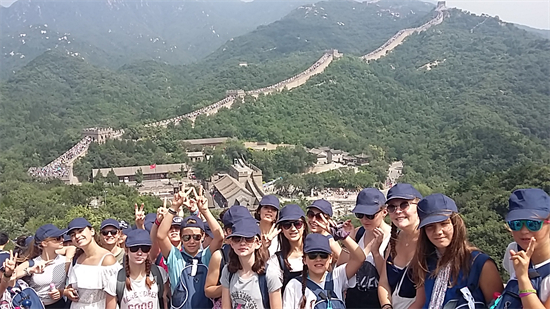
(288,224)
(370,217)
(531,225)
(186,238)
(239,239)
(144,249)
(314,255)
(319,216)
(392,207)
(109,232)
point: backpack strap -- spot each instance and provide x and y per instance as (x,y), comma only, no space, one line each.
(120,285)
(282,265)
(264,290)
(224,251)
(359,234)
(316,289)
(158,259)
(158,280)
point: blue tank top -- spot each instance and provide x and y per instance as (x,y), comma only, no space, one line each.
(394,275)
(471,280)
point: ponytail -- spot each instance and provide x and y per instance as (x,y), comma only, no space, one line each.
(393,240)
(304,285)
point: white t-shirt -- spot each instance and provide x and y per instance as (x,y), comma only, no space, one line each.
(274,246)
(140,296)
(274,268)
(54,273)
(293,291)
(509,266)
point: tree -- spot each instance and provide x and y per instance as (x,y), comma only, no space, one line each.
(139,177)
(112,178)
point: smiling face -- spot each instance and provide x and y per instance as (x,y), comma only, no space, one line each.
(523,236)
(440,234)
(293,230)
(174,235)
(82,237)
(110,235)
(191,239)
(314,216)
(318,265)
(243,246)
(268,213)
(371,224)
(403,213)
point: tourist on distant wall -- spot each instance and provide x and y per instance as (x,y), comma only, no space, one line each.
(446,267)
(396,289)
(267,214)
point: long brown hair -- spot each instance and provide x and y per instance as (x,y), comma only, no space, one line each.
(457,254)
(260,259)
(395,231)
(285,244)
(148,281)
(33,251)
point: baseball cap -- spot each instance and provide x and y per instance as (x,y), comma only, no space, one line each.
(403,191)
(528,204)
(369,201)
(435,208)
(323,205)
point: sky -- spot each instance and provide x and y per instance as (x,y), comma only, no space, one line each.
(533,13)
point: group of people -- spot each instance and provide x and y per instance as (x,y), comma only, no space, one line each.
(58,167)
(285,257)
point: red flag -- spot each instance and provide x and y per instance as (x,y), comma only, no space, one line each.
(152,166)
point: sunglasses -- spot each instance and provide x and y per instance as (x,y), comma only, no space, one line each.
(144,249)
(186,238)
(315,255)
(109,232)
(392,207)
(370,217)
(319,216)
(288,224)
(239,239)
(531,225)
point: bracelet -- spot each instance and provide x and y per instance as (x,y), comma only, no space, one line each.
(521,295)
(7,276)
(172,212)
(157,222)
(387,306)
(27,272)
(528,291)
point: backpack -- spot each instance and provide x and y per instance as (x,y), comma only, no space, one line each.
(21,292)
(509,299)
(326,298)
(121,285)
(287,274)
(224,250)
(263,288)
(189,291)
(359,234)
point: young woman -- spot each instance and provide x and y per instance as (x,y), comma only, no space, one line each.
(192,234)
(528,218)
(94,268)
(111,235)
(267,215)
(446,268)
(317,213)
(288,262)
(220,258)
(244,281)
(396,289)
(317,269)
(141,287)
(49,270)
(372,237)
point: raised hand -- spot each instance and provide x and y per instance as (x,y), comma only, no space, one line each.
(139,215)
(38,268)
(9,265)
(162,210)
(273,232)
(202,201)
(376,241)
(522,258)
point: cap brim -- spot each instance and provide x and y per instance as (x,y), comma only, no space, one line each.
(366,209)
(432,219)
(76,228)
(402,197)
(321,210)
(293,218)
(139,244)
(241,235)
(106,225)
(317,250)
(527,214)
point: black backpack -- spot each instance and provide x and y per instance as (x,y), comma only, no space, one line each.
(121,284)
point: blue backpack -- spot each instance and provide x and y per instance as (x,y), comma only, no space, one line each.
(326,298)
(509,299)
(189,292)
(21,293)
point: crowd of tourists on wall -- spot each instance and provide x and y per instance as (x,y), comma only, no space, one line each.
(409,251)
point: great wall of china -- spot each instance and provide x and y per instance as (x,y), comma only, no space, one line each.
(61,167)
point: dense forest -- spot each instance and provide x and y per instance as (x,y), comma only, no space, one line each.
(464,105)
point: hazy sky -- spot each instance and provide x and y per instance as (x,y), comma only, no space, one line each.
(534,13)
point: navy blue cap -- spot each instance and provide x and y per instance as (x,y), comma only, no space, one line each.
(66,238)
(177,221)
(403,191)
(110,222)
(270,200)
(138,237)
(528,204)
(47,231)
(192,221)
(316,242)
(323,205)
(28,241)
(235,213)
(369,201)
(245,227)
(78,223)
(291,212)
(149,221)
(435,208)
(208,231)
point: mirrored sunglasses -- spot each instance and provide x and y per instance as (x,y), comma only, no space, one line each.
(186,238)
(531,225)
